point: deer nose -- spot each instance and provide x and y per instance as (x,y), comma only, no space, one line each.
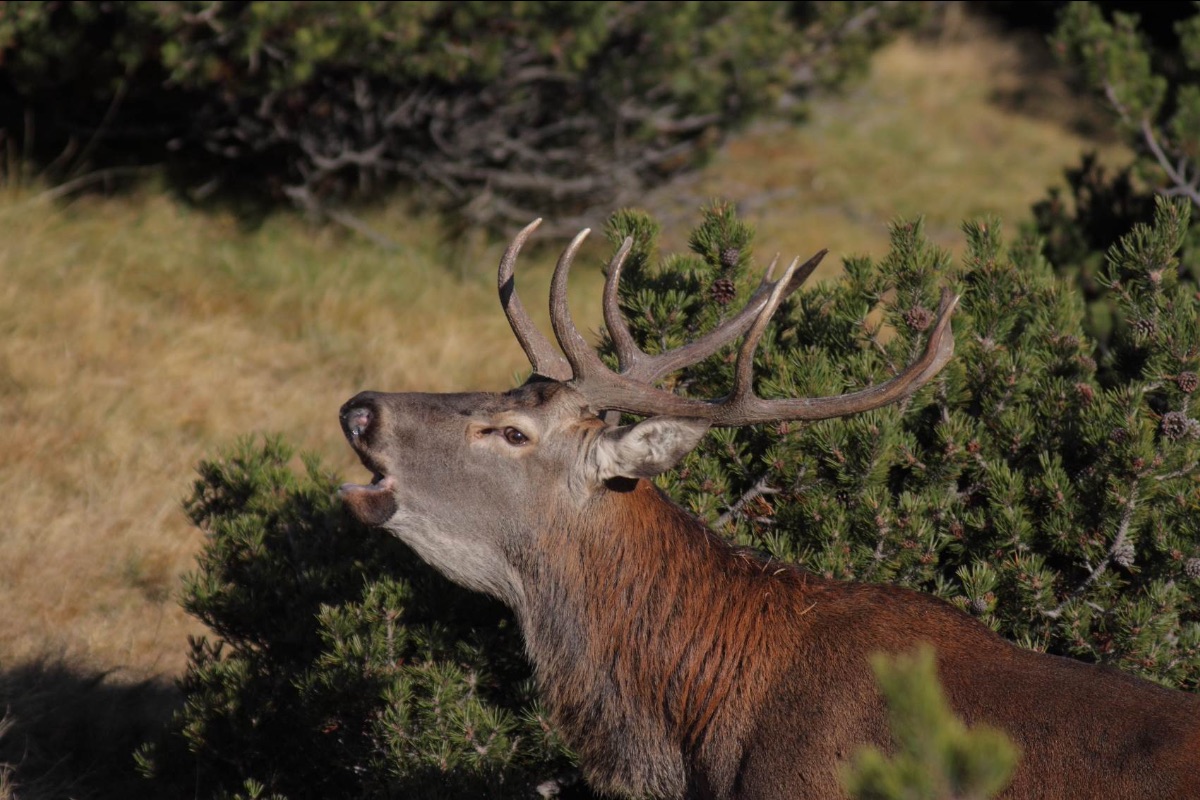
(357,415)
(356,420)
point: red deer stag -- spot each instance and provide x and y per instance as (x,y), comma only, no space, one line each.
(675,664)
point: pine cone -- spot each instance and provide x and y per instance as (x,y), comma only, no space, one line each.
(1123,553)
(1192,568)
(918,318)
(722,291)
(1119,435)
(979,606)
(1068,342)
(1187,382)
(1085,392)
(1145,327)
(729,257)
(1176,425)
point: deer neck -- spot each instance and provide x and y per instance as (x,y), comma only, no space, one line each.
(642,624)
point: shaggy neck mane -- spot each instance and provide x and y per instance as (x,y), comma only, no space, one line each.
(643,625)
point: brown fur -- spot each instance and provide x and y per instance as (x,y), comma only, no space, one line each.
(680,666)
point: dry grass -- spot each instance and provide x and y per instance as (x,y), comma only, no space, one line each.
(137,336)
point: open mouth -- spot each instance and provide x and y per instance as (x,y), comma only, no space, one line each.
(379,483)
(373,503)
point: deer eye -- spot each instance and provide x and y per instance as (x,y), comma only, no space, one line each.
(515,437)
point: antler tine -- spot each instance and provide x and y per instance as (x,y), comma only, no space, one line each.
(579,353)
(744,372)
(750,408)
(770,273)
(650,368)
(543,357)
(628,353)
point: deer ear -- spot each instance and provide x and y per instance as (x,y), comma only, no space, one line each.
(644,450)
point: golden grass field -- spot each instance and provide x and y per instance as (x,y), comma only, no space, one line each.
(138,335)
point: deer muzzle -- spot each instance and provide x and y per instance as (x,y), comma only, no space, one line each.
(373,503)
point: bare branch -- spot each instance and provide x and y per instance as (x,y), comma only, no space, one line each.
(1177,173)
(348,220)
(761,487)
(1120,541)
(371,157)
(1183,186)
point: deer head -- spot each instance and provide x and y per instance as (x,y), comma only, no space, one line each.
(466,479)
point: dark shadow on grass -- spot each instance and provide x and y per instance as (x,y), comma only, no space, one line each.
(67,731)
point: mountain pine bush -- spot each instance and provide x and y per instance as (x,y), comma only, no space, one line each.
(1060,511)
(1151,86)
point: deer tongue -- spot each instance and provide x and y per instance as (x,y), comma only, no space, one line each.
(372,504)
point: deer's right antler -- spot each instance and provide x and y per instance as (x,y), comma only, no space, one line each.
(631,388)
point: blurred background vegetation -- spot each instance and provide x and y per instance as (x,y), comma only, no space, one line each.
(496,110)
(223,218)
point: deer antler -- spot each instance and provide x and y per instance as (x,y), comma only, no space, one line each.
(632,388)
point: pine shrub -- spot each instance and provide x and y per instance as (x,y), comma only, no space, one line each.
(1151,85)
(937,757)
